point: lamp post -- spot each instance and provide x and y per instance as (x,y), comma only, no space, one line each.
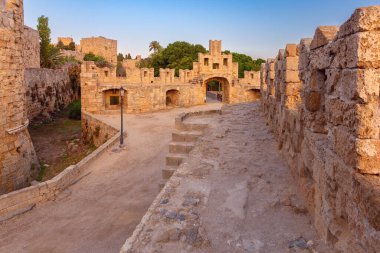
(122,93)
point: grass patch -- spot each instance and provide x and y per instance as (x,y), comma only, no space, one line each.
(74,110)
(41,174)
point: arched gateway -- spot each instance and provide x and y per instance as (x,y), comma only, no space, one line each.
(217,89)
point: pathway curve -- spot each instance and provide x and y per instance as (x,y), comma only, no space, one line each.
(100,211)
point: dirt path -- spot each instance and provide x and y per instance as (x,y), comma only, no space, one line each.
(100,211)
(234,194)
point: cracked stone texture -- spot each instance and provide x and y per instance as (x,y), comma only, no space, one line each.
(247,201)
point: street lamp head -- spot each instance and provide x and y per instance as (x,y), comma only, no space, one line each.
(122,91)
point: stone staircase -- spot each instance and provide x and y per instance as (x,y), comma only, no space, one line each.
(183,141)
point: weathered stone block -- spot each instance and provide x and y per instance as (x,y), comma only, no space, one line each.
(313,101)
(359,50)
(340,112)
(343,144)
(366,195)
(368,156)
(361,85)
(363,19)
(366,122)
(323,35)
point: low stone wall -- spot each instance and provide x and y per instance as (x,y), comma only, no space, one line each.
(95,131)
(321,98)
(181,125)
(25,199)
(48,91)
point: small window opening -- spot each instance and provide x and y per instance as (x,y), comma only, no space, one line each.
(114,100)
(225,61)
(215,66)
(206,61)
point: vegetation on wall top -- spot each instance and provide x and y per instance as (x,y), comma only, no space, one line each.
(99,61)
(181,55)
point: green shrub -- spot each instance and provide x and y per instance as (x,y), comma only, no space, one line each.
(99,61)
(75,110)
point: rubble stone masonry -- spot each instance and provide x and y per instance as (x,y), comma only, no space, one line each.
(48,91)
(321,98)
(17,156)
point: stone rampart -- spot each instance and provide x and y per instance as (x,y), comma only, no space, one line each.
(48,91)
(31,48)
(321,98)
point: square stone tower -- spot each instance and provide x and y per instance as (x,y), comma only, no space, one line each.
(215,47)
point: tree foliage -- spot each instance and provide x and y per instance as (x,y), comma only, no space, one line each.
(181,55)
(177,55)
(70,47)
(99,61)
(50,55)
(120,57)
(154,46)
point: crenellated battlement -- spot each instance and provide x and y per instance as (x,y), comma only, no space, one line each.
(321,98)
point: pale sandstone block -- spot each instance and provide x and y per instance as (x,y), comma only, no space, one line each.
(291,50)
(323,35)
(292,76)
(292,89)
(291,63)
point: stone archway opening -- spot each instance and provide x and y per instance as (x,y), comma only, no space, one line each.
(217,90)
(253,95)
(112,99)
(172,98)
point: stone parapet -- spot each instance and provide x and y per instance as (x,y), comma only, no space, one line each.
(321,99)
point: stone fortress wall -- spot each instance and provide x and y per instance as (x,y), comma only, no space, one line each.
(26,91)
(65,40)
(18,160)
(48,91)
(145,92)
(31,48)
(321,99)
(100,46)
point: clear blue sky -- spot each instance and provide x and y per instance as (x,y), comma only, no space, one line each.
(255,27)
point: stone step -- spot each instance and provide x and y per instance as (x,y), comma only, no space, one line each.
(175,159)
(186,136)
(161,184)
(168,171)
(193,127)
(180,147)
